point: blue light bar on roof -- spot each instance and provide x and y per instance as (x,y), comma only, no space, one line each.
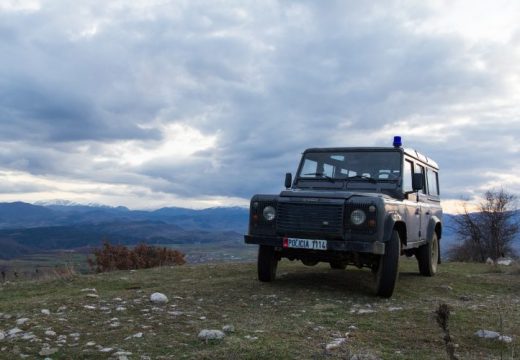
(397,142)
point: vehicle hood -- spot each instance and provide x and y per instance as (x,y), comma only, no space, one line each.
(328,194)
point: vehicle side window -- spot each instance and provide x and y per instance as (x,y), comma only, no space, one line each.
(419,169)
(433,183)
(407,176)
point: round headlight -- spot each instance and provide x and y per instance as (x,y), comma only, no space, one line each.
(269,213)
(358,217)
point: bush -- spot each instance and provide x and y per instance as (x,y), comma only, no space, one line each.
(118,257)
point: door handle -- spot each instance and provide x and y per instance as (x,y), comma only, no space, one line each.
(417,211)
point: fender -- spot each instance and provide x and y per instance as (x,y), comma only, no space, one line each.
(392,220)
(434,220)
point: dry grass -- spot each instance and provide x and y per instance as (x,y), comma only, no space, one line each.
(294,317)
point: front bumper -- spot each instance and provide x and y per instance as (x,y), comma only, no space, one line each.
(374,247)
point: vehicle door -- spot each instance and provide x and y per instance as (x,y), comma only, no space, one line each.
(423,206)
(413,207)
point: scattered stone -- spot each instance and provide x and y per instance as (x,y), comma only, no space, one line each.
(135,336)
(336,343)
(2,335)
(21,321)
(92,296)
(352,327)
(62,308)
(505,338)
(90,343)
(210,335)
(228,329)
(396,308)
(487,334)
(106,350)
(50,333)
(490,261)
(48,351)
(365,311)
(175,313)
(46,312)
(251,338)
(120,308)
(158,298)
(90,307)
(465,298)
(75,335)
(505,261)
(28,336)
(202,318)
(117,299)
(446,287)
(89,290)
(14,331)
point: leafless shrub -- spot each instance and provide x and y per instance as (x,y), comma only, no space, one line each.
(118,257)
(488,232)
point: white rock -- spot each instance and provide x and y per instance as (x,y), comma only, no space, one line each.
(2,335)
(138,335)
(89,290)
(90,343)
(120,308)
(21,321)
(365,311)
(505,338)
(490,261)
(211,334)
(14,331)
(50,333)
(336,343)
(158,298)
(228,328)
(28,336)
(92,296)
(487,334)
(106,350)
(46,312)
(252,338)
(62,308)
(48,351)
(505,261)
(90,307)
(396,308)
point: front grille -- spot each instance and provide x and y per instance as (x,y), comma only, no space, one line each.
(320,220)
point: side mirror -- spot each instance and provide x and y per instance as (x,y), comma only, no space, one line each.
(417,182)
(288,180)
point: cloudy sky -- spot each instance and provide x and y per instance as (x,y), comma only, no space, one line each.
(204,103)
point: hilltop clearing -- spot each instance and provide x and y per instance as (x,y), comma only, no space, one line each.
(306,313)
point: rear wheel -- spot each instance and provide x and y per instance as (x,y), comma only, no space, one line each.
(387,271)
(428,256)
(267,263)
(338,265)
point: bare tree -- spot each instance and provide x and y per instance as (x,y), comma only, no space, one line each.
(488,232)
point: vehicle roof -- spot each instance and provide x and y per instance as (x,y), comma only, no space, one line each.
(410,152)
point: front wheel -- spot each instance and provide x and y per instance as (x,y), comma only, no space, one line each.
(428,256)
(267,263)
(387,270)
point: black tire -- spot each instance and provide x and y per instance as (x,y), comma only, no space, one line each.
(428,257)
(387,270)
(337,265)
(267,263)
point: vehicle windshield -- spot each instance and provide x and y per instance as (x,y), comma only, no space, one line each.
(370,166)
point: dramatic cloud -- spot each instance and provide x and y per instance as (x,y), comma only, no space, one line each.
(197,103)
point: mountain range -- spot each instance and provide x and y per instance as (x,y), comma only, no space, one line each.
(31,228)
(27,228)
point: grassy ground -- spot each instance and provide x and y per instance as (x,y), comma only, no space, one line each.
(297,316)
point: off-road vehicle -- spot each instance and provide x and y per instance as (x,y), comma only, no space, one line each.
(364,206)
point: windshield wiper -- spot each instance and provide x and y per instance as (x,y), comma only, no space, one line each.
(373,181)
(332,180)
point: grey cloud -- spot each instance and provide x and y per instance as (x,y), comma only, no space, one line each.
(270,81)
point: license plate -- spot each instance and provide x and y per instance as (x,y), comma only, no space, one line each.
(296,243)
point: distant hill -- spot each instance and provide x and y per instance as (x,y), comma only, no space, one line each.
(27,228)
